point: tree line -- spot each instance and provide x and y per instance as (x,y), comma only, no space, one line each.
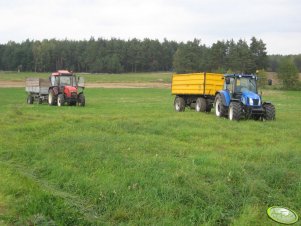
(118,56)
(101,55)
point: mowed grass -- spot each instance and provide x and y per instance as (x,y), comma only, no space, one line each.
(164,77)
(128,159)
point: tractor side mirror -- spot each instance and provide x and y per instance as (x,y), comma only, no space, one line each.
(227,81)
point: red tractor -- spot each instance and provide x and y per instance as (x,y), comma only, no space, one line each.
(65,87)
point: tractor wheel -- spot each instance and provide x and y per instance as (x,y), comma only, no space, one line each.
(60,100)
(269,112)
(201,104)
(51,98)
(81,100)
(235,111)
(179,104)
(30,99)
(220,109)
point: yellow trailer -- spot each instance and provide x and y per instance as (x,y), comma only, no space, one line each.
(196,90)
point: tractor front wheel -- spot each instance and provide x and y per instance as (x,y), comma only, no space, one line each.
(201,104)
(60,100)
(81,100)
(235,111)
(179,104)
(269,112)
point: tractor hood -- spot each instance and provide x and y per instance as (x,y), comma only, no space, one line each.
(69,89)
(249,98)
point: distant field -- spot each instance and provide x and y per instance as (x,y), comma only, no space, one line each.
(164,77)
(128,159)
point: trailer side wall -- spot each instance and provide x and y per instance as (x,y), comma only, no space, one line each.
(197,83)
(37,85)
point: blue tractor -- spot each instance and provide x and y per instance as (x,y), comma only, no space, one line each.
(240,99)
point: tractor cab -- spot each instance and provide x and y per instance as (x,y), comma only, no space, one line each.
(239,83)
(63,78)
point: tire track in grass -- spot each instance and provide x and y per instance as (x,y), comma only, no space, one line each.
(75,202)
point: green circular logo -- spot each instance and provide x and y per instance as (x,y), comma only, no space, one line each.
(282,215)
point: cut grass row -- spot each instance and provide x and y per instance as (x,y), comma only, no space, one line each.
(128,158)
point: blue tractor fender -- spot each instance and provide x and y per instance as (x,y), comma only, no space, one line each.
(225,95)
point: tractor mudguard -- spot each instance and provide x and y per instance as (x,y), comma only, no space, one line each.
(55,90)
(225,97)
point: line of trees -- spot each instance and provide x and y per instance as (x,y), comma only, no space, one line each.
(275,61)
(222,56)
(101,55)
(117,56)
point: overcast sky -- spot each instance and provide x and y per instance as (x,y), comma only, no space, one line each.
(276,22)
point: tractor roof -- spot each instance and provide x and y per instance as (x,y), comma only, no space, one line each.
(240,76)
(62,72)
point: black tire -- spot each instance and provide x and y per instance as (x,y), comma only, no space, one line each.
(269,112)
(30,99)
(51,97)
(200,105)
(179,104)
(235,111)
(220,109)
(60,100)
(208,107)
(81,100)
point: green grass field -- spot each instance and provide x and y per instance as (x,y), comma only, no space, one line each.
(128,159)
(126,77)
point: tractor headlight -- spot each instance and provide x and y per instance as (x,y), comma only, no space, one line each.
(251,101)
(259,102)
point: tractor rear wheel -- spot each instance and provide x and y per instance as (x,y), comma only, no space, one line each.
(51,98)
(201,104)
(235,111)
(179,104)
(81,100)
(220,109)
(269,112)
(30,99)
(60,100)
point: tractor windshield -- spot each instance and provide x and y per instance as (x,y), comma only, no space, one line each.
(67,81)
(246,84)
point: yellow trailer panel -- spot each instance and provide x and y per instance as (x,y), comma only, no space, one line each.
(197,83)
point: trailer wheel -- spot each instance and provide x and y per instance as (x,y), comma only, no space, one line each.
(220,109)
(51,99)
(235,111)
(81,100)
(201,104)
(30,99)
(269,112)
(179,104)
(60,100)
